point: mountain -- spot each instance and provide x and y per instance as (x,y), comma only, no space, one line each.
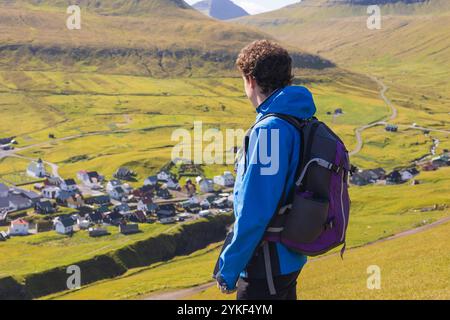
(154,37)
(220,9)
(410,52)
(411,29)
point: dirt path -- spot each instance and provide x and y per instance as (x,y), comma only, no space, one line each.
(394,113)
(393,116)
(182,294)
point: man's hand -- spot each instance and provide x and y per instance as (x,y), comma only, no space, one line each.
(223,288)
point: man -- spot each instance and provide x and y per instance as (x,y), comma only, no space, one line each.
(267,73)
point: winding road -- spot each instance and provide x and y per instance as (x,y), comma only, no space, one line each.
(393,116)
(359,131)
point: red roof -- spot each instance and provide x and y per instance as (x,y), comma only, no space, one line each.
(19,221)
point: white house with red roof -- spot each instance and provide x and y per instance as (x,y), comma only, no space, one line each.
(19,227)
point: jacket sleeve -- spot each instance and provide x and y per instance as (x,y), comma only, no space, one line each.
(257,199)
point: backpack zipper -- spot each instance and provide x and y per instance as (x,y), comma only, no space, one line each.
(342,205)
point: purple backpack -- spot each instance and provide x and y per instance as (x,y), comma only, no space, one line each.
(315,217)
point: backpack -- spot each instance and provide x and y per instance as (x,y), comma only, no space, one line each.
(315,217)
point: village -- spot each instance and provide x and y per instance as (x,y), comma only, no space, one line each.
(90,203)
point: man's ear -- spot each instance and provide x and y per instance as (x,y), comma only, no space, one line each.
(252,81)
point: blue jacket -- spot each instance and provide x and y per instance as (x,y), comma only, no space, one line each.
(256,195)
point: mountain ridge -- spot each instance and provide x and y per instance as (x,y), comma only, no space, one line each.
(166,42)
(220,9)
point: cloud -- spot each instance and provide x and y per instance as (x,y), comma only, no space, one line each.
(251,7)
(258,6)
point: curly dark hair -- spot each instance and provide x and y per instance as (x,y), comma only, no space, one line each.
(268,63)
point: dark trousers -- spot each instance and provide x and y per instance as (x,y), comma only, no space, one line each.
(258,289)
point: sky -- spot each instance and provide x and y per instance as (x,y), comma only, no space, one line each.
(258,6)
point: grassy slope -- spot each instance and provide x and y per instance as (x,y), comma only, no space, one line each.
(47,250)
(376,214)
(157,38)
(410,54)
(413,267)
(136,115)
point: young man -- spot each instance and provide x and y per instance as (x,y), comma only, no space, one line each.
(267,73)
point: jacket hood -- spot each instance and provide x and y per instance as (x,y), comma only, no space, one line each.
(294,101)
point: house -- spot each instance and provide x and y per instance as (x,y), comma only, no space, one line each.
(44,207)
(36,169)
(147,205)
(118,193)
(129,228)
(75,201)
(98,232)
(338,111)
(95,217)
(406,175)
(98,200)
(83,223)
(19,227)
(394,177)
(124,174)
(62,197)
(166,210)
(172,184)
(3,215)
(163,176)
(441,161)
(50,192)
(429,167)
(144,192)
(90,179)
(18,202)
(205,204)
(4,205)
(204,213)
(68,185)
(64,225)
(221,203)
(4,190)
(103,210)
(167,220)
(52,181)
(190,188)
(3,236)
(113,218)
(30,195)
(122,208)
(391,128)
(206,185)
(225,180)
(138,216)
(112,184)
(7,140)
(163,193)
(151,181)
(365,177)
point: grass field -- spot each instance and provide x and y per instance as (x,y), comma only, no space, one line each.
(412,267)
(46,250)
(376,214)
(129,120)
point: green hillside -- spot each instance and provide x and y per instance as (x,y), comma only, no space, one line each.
(422,256)
(410,54)
(412,268)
